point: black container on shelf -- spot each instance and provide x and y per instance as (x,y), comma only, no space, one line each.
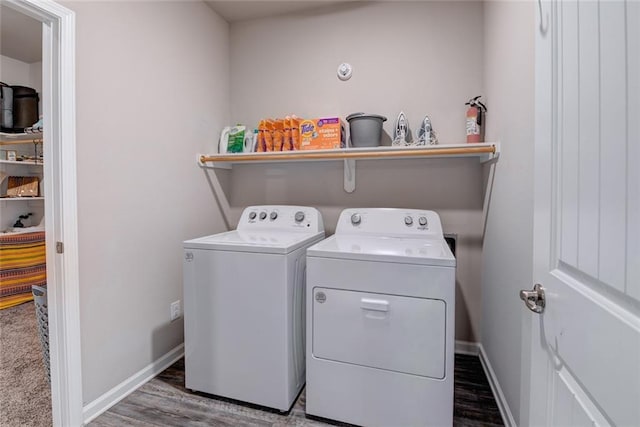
(25,107)
(6,107)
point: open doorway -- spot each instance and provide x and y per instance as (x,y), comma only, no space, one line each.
(58,175)
(25,395)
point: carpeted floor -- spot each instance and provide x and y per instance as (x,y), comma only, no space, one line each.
(25,395)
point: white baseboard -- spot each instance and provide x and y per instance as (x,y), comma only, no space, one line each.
(466,347)
(507,416)
(92,410)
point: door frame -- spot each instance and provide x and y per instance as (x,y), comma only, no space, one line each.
(532,406)
(60,194)
(542,361)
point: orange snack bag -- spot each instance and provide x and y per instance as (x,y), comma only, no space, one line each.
(287,146)
(268,135)
(295,132)
(278,135)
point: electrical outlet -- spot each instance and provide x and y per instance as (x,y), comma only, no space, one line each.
(176,310)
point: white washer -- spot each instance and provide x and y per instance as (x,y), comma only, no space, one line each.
(244,306)
(380,320)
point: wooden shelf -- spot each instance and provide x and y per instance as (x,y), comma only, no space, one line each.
(21,163)
(20,138)
(487,153)
(484,151)
(22,199)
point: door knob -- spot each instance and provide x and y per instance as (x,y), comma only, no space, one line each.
(535,299)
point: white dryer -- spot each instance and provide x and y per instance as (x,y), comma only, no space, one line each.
(244,306)
(380,320)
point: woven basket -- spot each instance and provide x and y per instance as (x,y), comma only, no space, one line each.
(42,314)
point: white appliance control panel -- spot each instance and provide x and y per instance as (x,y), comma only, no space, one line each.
(281,217)
(390,222)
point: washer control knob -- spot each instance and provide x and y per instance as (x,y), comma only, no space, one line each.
(263,215)
(252,215)
(299,216)
(356,219)
(273,215)
(422,221)
(408,220)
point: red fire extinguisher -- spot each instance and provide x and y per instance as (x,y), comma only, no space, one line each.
(475,119)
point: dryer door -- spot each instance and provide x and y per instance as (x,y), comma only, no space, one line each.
(390,332)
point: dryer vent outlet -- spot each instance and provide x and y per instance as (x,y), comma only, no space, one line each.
(451,240)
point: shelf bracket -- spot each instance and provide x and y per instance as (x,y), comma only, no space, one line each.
(491,157)
(486,202)
(350,175)
(216,187)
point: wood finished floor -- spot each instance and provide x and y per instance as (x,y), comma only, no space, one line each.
(164,401)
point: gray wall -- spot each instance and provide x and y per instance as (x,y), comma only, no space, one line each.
(420,57)
(507,253)
(152,90)
(156,91)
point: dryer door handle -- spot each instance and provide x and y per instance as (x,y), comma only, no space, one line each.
(374,304)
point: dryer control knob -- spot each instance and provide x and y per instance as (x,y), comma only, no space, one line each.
(273,215)
(263,215)
(408,220)
(355,219)
(252,215)
(422,221)
(299,216)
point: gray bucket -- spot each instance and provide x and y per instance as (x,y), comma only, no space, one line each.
(365,129)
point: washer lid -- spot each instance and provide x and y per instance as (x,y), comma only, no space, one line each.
(262,241)
(385,249)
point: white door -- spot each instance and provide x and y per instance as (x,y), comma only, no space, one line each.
(583,350)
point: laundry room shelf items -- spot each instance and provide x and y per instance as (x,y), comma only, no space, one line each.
(485,152)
